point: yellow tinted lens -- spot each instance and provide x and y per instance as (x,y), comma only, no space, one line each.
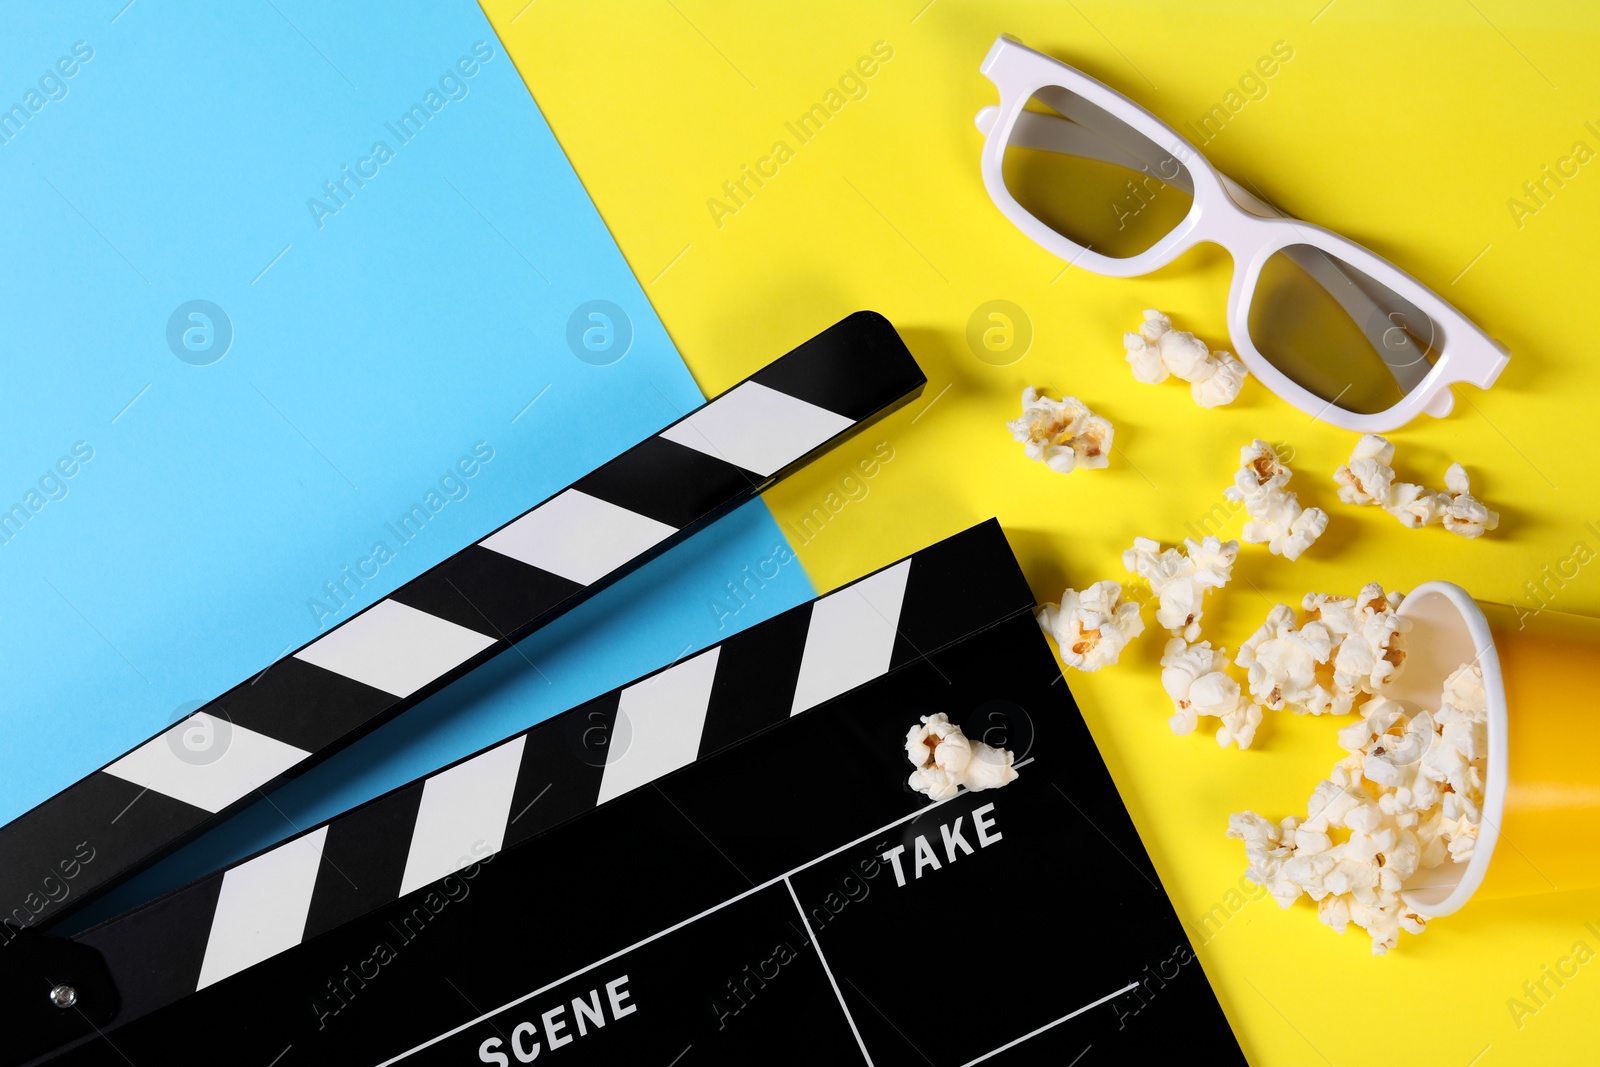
(1092,178)
(1339,334)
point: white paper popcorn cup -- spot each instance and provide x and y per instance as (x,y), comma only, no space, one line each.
(1541,799)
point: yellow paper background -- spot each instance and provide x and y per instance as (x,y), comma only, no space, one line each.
(1406,127)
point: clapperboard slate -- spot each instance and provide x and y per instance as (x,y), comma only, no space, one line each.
(719,863)
(466,610)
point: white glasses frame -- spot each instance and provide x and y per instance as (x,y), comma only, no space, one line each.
(1222,213)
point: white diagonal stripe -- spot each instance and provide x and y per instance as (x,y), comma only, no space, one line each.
(659,723)
(757,428)
(262,907)
(207,761)
(463,813)
(396,648)
(579,537)
(851,637)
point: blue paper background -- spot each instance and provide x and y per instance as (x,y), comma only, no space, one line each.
(423,317)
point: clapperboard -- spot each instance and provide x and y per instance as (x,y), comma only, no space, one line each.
(721,862)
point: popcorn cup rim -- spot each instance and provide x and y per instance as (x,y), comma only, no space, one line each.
(1441,899)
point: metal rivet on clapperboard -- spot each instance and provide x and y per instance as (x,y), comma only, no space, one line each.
(63,996)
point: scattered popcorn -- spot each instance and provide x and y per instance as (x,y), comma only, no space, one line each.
(1408,797)
(1157,352)
(1267,850)
(1182,666)
(1185,355)
(1462,513)
(1285,527)
(1276,518)
(1180,579)
(989,768)
(1195,677)
(946,760)
(1262,470)
(1220,384)
(1414,505)
(1286,665)
(1144,349)
(1369,479)
(1239,725)
(1368,634)
(1092,627)
(940,752)
(1062,434)
(1342,651)
(1355,881)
